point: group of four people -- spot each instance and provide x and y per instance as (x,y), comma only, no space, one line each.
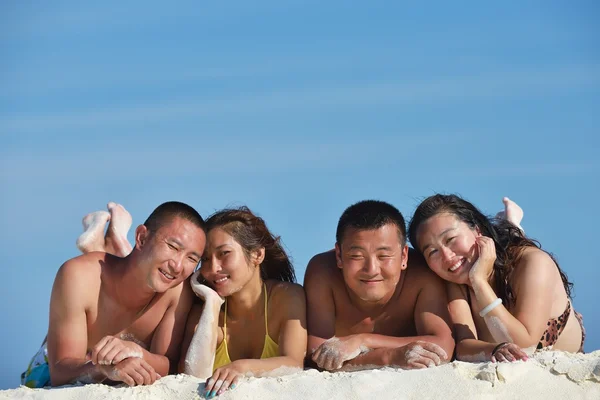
(473,288)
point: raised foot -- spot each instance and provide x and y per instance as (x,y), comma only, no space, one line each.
(92,239)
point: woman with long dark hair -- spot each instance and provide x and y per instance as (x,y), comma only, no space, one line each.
(505,292)
(262,324)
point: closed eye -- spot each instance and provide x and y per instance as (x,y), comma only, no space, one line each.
(450,239)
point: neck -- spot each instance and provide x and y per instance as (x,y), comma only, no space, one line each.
(246,301)
(130,286)
(376,307)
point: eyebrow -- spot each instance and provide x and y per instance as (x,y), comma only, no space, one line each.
(377,249)
(440,235)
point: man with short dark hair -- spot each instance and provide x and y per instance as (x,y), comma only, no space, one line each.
(122,318)
(365,306)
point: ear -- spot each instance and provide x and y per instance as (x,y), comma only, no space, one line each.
(338,256)
(259,256)
(404,257)
(141,236)
(477,231)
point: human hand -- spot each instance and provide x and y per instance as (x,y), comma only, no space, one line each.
(204,292)
(223,378)
(508,352)
(112,350)
(485,251)
(332,353)
(417,355)
(131,371)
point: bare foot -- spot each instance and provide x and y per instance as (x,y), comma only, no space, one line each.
(116,236)
(512,213)
(92,239)
(204,292)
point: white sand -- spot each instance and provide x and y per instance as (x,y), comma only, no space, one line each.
(547,375)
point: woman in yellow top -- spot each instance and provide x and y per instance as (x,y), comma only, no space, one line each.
(262,324)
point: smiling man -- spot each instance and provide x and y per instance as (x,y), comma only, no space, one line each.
(366,306)
(122,318)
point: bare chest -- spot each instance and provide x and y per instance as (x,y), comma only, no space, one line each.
(133,325)
(395,319)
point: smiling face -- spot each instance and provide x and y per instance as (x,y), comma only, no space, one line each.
(225,265)
(448,245)
(371,262)
(172,252)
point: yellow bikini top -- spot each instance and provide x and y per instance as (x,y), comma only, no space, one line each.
(270,348)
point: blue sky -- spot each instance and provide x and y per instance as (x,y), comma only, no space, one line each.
(296,109)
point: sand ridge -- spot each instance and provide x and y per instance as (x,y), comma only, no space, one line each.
(547,374)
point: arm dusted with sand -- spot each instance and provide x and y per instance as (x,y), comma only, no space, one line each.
(532,282)
(468,346)
(198,351)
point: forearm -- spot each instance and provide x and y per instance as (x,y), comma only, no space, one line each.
(375,341)
(200,357)
(70,370)
(371,358)
(474,350)
(263,366)
(161,364)
(503,326)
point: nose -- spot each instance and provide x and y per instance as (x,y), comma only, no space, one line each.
(447,254)
(210,264)
(371,266)
(176,263)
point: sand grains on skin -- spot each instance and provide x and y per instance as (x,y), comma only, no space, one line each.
(547,374)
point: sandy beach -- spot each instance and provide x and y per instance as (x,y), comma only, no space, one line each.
(546,375)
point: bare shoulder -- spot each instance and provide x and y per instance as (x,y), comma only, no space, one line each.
(418,273)
(534,264)
(84,269)
(286,291)
(323,266)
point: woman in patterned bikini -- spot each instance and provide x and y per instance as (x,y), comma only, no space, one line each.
(505,293)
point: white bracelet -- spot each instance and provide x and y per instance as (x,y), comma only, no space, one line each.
(490,307)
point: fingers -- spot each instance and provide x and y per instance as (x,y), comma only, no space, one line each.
(417,364)
(99,347)
(121,354)
(316,355)
(518,353)
(109,357)
(148,372)
(210,384)
(137,376)
(132,372)
(103,352)
(435,349)
(500,356)
(125,378)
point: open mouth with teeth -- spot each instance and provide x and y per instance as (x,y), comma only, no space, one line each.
(457,265)
(221,280)
(166,274)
